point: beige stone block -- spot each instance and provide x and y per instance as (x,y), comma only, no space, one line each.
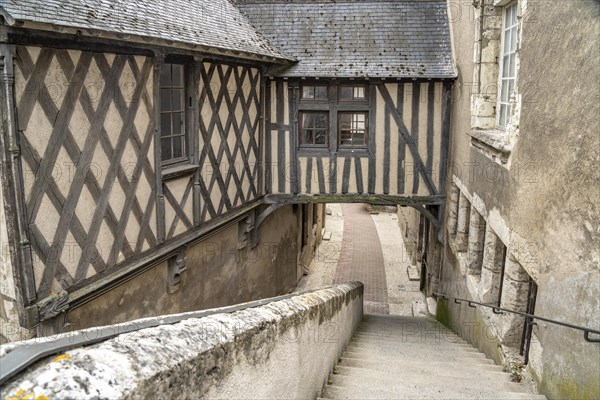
(484,107)
(493,258)
(489,72)
(453,209)
(490,49)
(462,229)
(476,242)
(491,22)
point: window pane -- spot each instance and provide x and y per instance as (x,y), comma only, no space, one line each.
(165,150)
(353,129)
(308,92)
(513,39)
(321,120)
(178,75)
(358,139)
(507,40)
(178,146)
(308,120)
(514,14)
(320,136)
(505,66)
(511,88)
(306,136)
(502,116)
(178,124)
(165,99)
(345,137)
(177,99)
(165,124)
(511,65)
(359,92)
(165,75)
(321,92)
(313,128)
(504,91)
(346,92)
(344,121)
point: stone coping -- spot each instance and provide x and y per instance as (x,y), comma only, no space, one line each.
(253,352)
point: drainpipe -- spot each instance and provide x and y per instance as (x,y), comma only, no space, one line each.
(14,192)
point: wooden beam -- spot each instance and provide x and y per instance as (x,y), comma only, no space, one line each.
(406,136)
(354,198)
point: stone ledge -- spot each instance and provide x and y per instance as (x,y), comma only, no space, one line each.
(284,349)
(492,143)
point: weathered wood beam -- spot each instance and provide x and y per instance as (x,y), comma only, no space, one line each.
(406,136)
(377,199)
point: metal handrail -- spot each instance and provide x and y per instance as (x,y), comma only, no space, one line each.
(501,310)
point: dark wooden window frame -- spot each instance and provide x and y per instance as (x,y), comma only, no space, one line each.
(353,99)
(365,144)
(301,128)
(314,99)
(333,105)
(187,109)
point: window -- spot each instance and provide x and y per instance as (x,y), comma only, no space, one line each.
(330,109)
(352,128)
(353,92)
(314,92)
(173,113)
(314,128)
(507,64)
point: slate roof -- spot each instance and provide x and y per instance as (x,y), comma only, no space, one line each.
(211,23)
(402,38)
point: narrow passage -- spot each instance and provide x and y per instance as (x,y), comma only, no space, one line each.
(361,258)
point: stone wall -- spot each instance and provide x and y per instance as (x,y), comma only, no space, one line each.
(533,214)
(217,274)
(284,349)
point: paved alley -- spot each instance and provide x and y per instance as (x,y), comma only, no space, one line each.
(366,247)
(361,258)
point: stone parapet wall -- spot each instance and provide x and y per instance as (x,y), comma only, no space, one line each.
(283,349)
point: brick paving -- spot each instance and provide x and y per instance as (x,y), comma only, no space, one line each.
(361,258)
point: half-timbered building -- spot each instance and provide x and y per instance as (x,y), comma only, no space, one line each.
(164,157)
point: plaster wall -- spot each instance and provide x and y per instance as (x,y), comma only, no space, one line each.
(543,204)
(217,274)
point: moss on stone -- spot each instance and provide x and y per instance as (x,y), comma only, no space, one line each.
(443,313)
(564,388)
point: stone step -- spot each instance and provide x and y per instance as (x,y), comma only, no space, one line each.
(382,342)
(399,379)
(409,327)
(414,351)
(409,331)
(421,355)
(373,391)
(385,365)
(415,372)
(392,357)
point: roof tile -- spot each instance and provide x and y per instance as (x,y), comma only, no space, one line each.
(396,39)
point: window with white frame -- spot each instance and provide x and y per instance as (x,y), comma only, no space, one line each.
(507,63)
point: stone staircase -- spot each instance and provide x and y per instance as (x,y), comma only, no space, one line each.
(393,357)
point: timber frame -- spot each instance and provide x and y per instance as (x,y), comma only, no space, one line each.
(185,204)
(37,307)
